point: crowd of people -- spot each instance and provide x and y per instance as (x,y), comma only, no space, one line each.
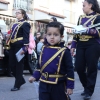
(54,68)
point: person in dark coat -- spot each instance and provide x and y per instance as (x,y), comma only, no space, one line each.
(88,47)
(19,38)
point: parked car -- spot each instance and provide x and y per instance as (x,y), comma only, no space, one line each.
(4,63)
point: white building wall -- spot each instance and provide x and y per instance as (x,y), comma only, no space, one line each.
(9,11)
(55,6)
(78,9)
(62,7)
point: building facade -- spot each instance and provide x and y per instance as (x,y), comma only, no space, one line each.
(9,15)
(40,12)
(3,7)
(64,10)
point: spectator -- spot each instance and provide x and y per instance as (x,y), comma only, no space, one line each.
(19,40)
(39,45)
(53,19)
(37,39)
(32,45)
(69,44)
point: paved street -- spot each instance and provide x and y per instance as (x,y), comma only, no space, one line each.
(28,92)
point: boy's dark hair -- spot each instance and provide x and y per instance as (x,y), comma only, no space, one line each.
(56,25)
(24,13)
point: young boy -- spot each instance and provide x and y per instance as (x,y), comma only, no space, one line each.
(55,69)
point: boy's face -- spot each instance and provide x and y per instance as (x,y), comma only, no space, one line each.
(53,35)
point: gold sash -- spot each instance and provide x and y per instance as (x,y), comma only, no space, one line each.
(89,20)
(17,27)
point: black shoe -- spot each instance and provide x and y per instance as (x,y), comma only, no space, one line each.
(15,89)
(83,93)
(87,97)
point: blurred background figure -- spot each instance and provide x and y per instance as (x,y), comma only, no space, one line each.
(39,46)
(53,19)
(1,45)
(37,39)
(87,48)
(69,44)
(28,59)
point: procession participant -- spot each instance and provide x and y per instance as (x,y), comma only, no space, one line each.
(55,69)
(88,47)
(19,38)
(40,45)
(53,19)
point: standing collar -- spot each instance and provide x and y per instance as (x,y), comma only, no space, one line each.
(21,20)
(93,13)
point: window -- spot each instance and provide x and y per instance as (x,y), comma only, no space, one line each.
(23,4)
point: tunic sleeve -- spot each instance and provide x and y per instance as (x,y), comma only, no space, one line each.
(26,31)
(69,70)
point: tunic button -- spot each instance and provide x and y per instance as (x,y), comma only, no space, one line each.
(57,64)
(58,56)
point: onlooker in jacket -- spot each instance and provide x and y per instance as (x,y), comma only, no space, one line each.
(39,45)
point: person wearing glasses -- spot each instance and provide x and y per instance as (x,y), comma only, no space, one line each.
(19,38)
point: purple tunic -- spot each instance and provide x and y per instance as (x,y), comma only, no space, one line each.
(95,18)
(59,66)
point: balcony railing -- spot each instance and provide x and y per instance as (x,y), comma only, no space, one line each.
(27,5)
